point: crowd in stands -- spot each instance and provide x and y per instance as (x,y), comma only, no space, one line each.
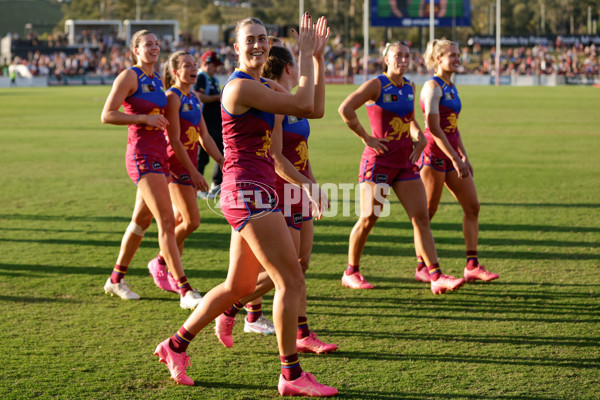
(106,56)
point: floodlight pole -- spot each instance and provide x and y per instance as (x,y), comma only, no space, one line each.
(543,19)
(366,39)
(498,44)
(431,20)
(138,11)
(300,10)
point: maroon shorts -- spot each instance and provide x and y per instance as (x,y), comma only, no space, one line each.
(295,215)
(240,202)
(296,205)
(439,163)
(180,176)
(370,171)
(139,164)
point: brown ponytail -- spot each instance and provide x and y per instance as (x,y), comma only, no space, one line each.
(136,38)
(278,58)
(172,65)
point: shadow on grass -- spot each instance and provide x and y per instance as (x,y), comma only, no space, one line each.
(324,245)
(19,299)
(513,306)
(105,270)
(346,222)
(528,307)
(214,240)
(361,394)
(493,317)
(580,363)
(570,341)
(232,386)
(88,218)
(445,226)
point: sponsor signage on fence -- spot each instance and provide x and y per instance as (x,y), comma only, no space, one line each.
(528,41)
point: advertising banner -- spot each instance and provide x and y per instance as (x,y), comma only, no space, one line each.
(409,13)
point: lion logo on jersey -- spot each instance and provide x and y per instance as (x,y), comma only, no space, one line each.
(302,150)
(155,111)
(400,128)
(452,123)
(264,150)
(193,136)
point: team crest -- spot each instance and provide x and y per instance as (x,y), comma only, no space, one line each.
(187,107)
(302,151)
(400,128)
(148,88)
(390,98)
(264,150)
(449,96)
(292,119)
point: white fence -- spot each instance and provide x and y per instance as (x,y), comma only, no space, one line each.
(461,80)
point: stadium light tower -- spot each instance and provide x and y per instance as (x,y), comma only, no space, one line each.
(366,40)
(431,20)
(498,44)
(138,10)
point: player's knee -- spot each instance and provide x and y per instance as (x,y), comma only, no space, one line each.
(421,219)
(191,225)
(367,222)
(431,210)
(136,229)
(143,222)
(472,209)
(303,263)
(291,289)
(240,288)
(166,224)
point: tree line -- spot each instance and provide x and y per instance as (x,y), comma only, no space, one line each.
(534,17)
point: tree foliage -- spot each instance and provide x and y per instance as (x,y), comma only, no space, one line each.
(533,17)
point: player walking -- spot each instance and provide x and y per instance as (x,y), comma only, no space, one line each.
(444,160)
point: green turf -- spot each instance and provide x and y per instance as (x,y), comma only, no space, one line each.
(66,200)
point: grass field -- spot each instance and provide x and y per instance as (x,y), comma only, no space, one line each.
(533,334)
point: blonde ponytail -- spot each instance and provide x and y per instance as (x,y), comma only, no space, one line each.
(435,48)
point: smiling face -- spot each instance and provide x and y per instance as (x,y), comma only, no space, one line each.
(147,49)
(449,60)
(187,68)
(397,59)
(252,46)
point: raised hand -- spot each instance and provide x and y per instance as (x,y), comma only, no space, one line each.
(322,36)
(306,39)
